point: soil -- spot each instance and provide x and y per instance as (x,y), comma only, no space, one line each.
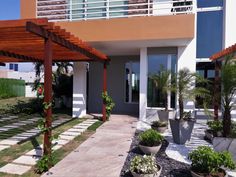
(170,167)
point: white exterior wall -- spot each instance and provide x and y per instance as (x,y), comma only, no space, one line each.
(229,23)
(79,89)
(229,29)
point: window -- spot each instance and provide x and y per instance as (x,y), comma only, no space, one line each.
(11,66)
(155,61)
(15,67)
(132,82)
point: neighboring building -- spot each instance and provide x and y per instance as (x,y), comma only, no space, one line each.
(139,36)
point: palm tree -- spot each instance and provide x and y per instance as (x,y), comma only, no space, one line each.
(228,82)
(162,82)
(184,86)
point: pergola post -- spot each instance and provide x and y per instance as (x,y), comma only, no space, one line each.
(47,95)
(216,98)
(104,90)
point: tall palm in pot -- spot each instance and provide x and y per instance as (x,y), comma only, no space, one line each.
(184,86)
(162,82)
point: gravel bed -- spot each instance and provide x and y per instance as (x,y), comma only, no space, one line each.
(170,167)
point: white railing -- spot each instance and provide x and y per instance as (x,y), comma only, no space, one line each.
(65,10)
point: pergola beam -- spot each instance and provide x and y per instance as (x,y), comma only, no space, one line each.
(18,56)
(40,31)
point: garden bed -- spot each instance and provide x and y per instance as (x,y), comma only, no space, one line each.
(170,167)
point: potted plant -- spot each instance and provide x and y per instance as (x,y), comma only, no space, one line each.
(145,166)
(162,82)
(207,162)
(159,126)
(150,141)
(184,87)
(215,129)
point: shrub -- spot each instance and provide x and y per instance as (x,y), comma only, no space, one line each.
(144,165)
(215,126)
(150,138)
(206,160)
(11,88)
(159,124)
(107,100)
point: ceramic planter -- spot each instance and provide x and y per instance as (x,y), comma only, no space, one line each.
(163,115)
(150,150)
(160,129)
(181,130)
(148,175)
(203,175)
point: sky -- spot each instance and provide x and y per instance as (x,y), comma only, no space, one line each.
(9,9)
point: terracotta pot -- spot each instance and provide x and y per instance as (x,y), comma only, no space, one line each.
(148,175)
(203,175)
(150,150)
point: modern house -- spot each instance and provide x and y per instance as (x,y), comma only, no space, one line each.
(139,36)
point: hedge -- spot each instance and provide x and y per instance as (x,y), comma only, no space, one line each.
(11,88)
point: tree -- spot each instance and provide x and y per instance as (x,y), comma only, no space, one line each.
(162,82)
(184,86)
(228,83)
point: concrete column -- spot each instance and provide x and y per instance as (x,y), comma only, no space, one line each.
(79,89)
(143,88)
(229,23)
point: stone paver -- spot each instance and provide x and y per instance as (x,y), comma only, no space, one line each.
(27,160)
(15,169)
(24,162)
(101,155)
(2,147)
(21,137)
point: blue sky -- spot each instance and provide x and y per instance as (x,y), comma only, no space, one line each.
(9,9)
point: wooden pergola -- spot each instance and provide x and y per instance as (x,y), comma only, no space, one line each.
(217,59)
(37,40)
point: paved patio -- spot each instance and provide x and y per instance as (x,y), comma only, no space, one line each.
(103,154)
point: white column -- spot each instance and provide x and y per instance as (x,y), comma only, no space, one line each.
(79,89)
(229,23)
(169,68)
(143,88)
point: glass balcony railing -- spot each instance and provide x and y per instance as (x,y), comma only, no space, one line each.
(68,10)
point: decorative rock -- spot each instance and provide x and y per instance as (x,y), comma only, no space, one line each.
(15,169)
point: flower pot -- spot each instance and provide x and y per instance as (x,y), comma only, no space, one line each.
(194,174)
(181,130)
(148,175)
(209,135)
(163,115)
(225,144)
(150,150)
(160,129)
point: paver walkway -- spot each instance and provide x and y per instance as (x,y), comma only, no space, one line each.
(103,154)
(24,163)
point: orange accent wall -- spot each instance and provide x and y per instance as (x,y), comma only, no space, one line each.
(27,9)
(133,28)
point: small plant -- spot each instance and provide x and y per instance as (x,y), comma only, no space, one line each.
(44,164)
(107,100)
(206,161)
(150,138)
(215,125)
(159,124)
(144,165)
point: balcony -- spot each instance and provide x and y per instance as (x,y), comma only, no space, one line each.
(71,10)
